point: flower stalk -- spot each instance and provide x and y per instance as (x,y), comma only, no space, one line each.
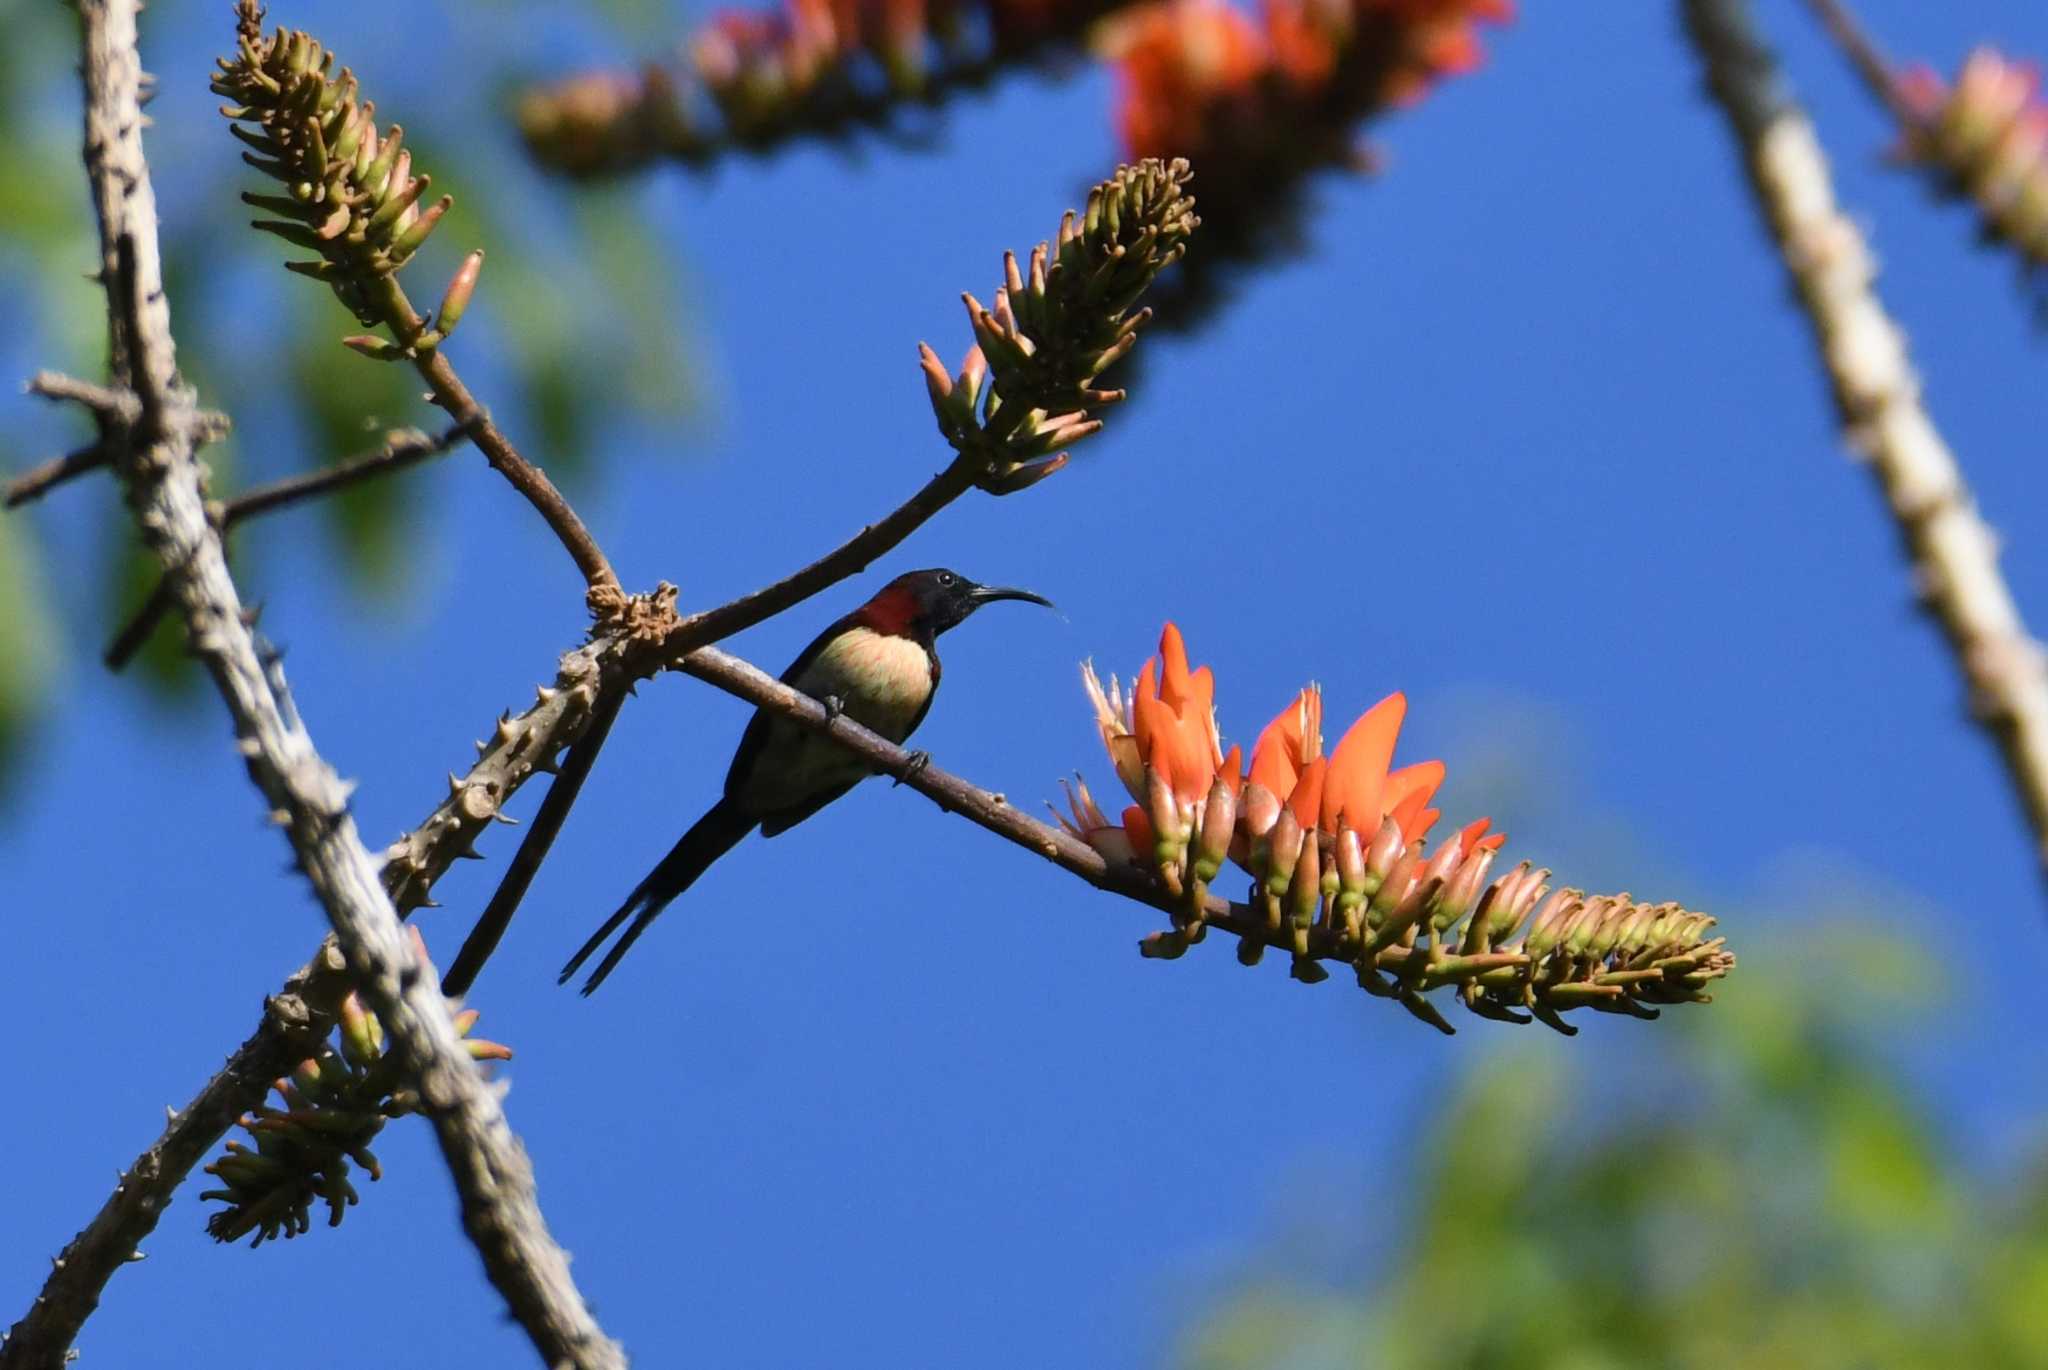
(352,199)
(1336,845)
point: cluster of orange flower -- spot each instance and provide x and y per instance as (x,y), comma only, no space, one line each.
(1336,845)
(1988,134)
(1260,103)
(1198,78)
(1204,80)
(808,66)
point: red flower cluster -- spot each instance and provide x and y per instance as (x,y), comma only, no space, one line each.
(1260,103)
(1988,135)
(1336,844)
(807,66)
(1205,80)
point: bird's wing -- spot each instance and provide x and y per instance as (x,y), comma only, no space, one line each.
(756,736)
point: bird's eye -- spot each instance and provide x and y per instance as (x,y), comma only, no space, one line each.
(945,577)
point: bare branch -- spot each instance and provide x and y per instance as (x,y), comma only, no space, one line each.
(849,558)
(1954,554)
(40,479)
(1415,969)
(403,448)
(153,455)
(1875,69)
(529,480)
(102,401)
(113,1237)
(296,112)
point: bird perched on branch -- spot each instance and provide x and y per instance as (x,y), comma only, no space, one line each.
(879,666)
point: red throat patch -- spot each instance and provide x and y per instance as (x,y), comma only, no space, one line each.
(892,611)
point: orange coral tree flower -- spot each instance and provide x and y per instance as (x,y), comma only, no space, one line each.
(1175,722)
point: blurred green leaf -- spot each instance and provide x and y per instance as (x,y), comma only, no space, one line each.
(1761,1197)
(28,639)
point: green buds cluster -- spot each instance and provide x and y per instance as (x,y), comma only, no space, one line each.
(350,194)
(330,1109)
(1027,389)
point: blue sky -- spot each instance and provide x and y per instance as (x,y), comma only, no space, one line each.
(1532,432)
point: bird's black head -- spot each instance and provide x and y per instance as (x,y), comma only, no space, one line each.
(927,603)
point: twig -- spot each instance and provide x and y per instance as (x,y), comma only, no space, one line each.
(402,448)
(101,400)
(1953,553)
(287,105)
(849,558)
(529,480)
(154,457)
(1867,57)
(1417,967)
(533,849)
(44,1336)
(39,480)
(950,792)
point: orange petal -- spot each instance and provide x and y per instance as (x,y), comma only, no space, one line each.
(1272,762)
(1421,779)
(1140,828)
(1307,800)
(1289,742)
(1178,751)
(1358,768)
(1232,770)
(1493,843)
(1469,835)
(1146,687)
(1414,816)
(1173,677)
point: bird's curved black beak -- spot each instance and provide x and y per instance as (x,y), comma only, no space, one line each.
(989,594)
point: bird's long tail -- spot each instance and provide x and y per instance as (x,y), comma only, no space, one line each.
(709,838)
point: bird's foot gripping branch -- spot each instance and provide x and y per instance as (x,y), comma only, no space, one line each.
(1336,846)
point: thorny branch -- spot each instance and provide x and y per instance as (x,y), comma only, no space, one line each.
(153,453)
(1954,554)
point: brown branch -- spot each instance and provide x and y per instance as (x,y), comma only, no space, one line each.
(153,455)
(104,402)
(286,1035)
(403,448)
(40,479)
(1954,555)
(1415,968)
(529,480)
(849,558)
(1876,70)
